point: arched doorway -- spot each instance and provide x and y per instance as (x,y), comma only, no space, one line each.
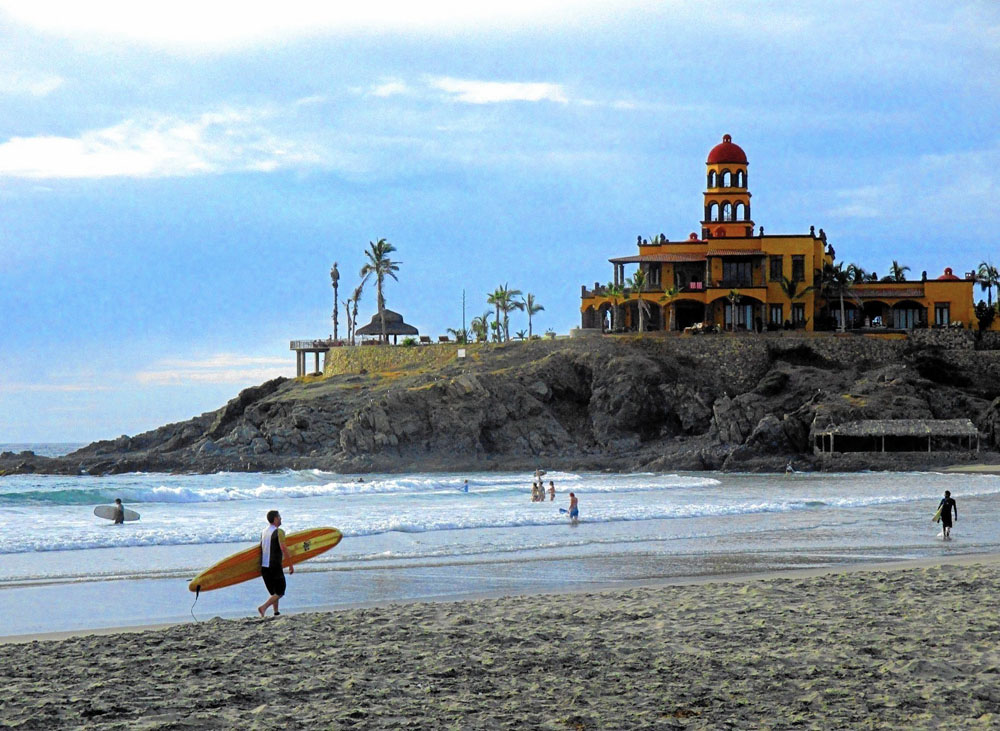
(877,314)
(686,313)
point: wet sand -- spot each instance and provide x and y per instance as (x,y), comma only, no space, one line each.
(902,646)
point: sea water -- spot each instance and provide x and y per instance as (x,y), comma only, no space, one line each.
(420,535)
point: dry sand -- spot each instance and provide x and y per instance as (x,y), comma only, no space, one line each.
(915,647)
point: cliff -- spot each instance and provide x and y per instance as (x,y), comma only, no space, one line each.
(740,402)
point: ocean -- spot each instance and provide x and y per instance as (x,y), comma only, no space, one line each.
(419,536)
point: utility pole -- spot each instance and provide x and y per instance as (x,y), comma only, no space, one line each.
(334,279)
(464,331)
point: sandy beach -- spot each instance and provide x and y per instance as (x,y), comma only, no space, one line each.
(905,646)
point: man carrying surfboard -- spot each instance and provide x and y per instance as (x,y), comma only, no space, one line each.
(945,509)
(272,552)
(119,512)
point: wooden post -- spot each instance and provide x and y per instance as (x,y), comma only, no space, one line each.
(316,353)
(883,443)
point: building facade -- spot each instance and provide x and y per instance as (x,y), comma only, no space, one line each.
(735,278)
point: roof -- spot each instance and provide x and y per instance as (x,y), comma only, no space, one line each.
(948,276)
(394,325)
(882,292)
(726,151)
(903,428)
(636,258)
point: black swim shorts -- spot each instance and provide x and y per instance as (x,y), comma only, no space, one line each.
(274,580)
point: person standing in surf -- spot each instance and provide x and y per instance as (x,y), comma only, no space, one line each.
(119,512)
(946,507)
(552,491)
(272,552)
(574,509)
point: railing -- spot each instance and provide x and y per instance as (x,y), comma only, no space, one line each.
(323,344)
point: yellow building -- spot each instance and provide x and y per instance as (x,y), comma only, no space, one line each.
(733,278)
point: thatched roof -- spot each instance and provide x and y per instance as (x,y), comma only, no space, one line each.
(903,428)
(394,325)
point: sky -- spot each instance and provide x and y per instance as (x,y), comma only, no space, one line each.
(176,179)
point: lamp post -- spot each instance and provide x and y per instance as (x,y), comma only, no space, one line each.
(334,279)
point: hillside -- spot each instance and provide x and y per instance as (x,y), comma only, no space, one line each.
(741,402)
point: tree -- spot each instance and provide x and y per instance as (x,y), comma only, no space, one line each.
(351,308)
(856,274)
(734,298)
(897,272)
(638,283)
(988,277)
(380,265)
(461,335)
(521,335)
(835,283)
(532,307)
(667,298)
(505,300)
(985,314)
(615,293)
(496,299)
(480,326)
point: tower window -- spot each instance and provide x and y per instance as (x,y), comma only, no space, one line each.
(711,178)
(739,211)
(727,178)
(713,212)
(741,179)
(727,211)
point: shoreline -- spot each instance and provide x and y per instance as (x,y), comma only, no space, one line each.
(908,645)
(600,588)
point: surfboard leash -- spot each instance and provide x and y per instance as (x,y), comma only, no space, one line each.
(197,593)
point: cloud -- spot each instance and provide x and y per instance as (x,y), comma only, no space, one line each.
(219,368)
(214,142)
(32,84)
(493,92)
(389,88)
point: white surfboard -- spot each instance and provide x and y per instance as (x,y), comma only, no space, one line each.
(108,513)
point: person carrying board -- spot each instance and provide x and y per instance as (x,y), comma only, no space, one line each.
(945,509)
(272,552)
(119,512)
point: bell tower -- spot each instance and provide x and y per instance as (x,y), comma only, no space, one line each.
(727,199)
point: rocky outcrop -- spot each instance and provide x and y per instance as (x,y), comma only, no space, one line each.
(640,403)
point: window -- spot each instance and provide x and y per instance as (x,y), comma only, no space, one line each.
(776,268)
(711,179)
(727,178)
(737,273)
(727,211)
(942,313)
(798,313)
(798,269)
(741,179)
(775,315)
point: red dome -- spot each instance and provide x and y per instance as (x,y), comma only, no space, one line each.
(726,151)
(948,276)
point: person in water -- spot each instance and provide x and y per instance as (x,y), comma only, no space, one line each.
(552,491)
(119,512)
(465,487)
(574,509)
(272,552)
(946,507)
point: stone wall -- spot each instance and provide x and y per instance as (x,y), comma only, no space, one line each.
(383,358)
(946,338)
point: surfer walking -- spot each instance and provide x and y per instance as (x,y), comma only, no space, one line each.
(119,514)
(946,508)
(272,551)
(574,509)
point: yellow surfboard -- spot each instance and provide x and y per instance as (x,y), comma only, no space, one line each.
(937,516)
(245,565)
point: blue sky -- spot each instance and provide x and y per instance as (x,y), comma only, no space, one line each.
(177,178)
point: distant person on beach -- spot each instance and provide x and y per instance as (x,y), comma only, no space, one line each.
(465,487)
(946,507)
(552,491)
(574,509)
(272,552)
(119,512)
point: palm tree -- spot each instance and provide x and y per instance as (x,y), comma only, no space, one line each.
(856,273)
(480,326)
(638,283)
(510,303)
(897,272)
(461,335)
(667,298)
(615,293)
(734,298)
(532,307)
(380,265)
(521,335)
(496,299)
(351,303)
(989,277)
(835,282)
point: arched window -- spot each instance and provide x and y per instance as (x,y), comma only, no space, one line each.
(727,211)
(713,212)
(711,179)
(739,211)
(727,178)
(741,179)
